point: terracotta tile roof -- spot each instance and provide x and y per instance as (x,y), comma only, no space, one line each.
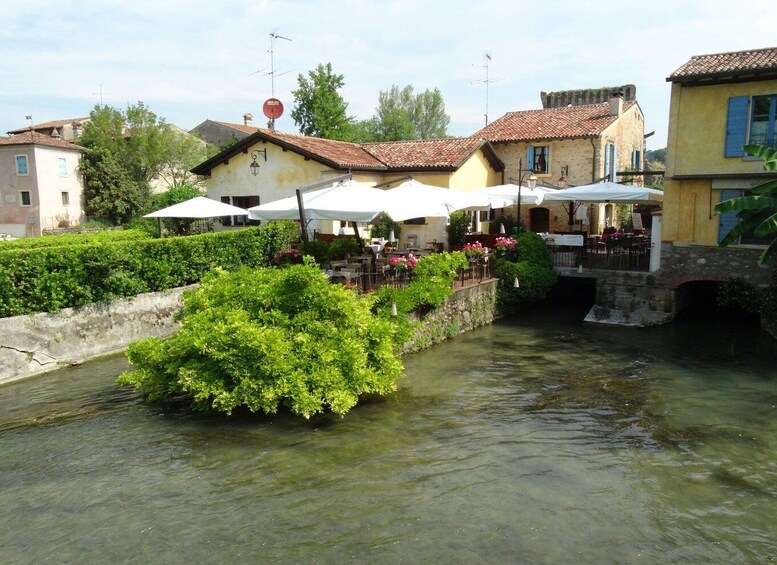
(427,153)
(27,138)
(588,120)
(52,124)
(449,153)
(727,64)
(341,153)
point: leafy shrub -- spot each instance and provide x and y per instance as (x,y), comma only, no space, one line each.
(47,279)
(432,282)
(457,229)
(341,247)
(530,262)
(317,249)
(264,338)
(73,239)
(384,226)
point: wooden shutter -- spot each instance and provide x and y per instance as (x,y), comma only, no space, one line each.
(530,158)
(607,161)
(729,219)
(736,126)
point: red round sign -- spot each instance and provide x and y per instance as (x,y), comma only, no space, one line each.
(273,108)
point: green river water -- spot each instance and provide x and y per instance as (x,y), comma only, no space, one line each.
(534,440)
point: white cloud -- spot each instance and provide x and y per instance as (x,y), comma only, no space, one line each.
(193,60)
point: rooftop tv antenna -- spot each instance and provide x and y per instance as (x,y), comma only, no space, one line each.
(485,81)
(272,62)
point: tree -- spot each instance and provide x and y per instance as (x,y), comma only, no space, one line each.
(757,211)
(181,152)
(126,151)
(319,109)
(431,121)
(401,114)
(109,192)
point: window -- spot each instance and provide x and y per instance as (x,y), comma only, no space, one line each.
(65,198)
(21,165)
(762,120)
(25,197)
(241,202)
(610,161)
(750,120)
(636,160)
(62,167)
(539,159)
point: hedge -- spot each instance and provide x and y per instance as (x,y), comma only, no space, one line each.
(73,239)
(47,279)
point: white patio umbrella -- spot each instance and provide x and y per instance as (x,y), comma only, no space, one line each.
(198,207)
(505,195)
(413,199)
(607,192)
(348,201)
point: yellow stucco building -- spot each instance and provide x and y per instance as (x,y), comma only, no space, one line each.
(719,103)
(266,166)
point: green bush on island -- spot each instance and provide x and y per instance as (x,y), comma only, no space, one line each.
(260,339)
(49,279)
(529,262)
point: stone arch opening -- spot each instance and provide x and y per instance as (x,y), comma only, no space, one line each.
(698,299)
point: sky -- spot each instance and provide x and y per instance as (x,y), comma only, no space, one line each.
(197,60)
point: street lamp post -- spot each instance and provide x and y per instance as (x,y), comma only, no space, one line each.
(532,181)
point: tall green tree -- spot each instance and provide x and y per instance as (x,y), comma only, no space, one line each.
(402,114)
(109,191)
(758,210)
(126,152)
(320,110)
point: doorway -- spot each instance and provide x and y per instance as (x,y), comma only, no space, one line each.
(539,220)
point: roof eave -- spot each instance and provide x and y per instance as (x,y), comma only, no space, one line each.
(703,79)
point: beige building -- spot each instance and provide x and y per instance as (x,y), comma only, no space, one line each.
(266,166)
(570,145)
(40,186)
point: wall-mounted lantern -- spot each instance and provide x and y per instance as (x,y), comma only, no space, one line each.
(254,155)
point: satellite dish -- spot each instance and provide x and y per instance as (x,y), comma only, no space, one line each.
(273,108)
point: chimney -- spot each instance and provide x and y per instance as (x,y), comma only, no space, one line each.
(616,103)
(248,120)
(55,134)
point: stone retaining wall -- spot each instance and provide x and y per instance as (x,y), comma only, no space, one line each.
(466,309)
(38,343)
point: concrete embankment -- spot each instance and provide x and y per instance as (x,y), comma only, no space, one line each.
(39,343)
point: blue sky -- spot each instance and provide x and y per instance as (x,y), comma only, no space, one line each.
(190,61)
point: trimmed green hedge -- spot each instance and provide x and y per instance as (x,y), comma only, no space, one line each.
(50,278)
(73,239)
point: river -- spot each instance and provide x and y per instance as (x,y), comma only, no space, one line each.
(537,439)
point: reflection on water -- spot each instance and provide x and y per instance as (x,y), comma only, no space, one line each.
(538,439)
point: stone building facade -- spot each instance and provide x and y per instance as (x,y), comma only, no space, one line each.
(579,144)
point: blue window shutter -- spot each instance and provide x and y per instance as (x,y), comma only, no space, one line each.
(729,219)
(607,159)
(530,157)
(736,126)
(614,176)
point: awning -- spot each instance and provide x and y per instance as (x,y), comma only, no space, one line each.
(198,207)
(607,192)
